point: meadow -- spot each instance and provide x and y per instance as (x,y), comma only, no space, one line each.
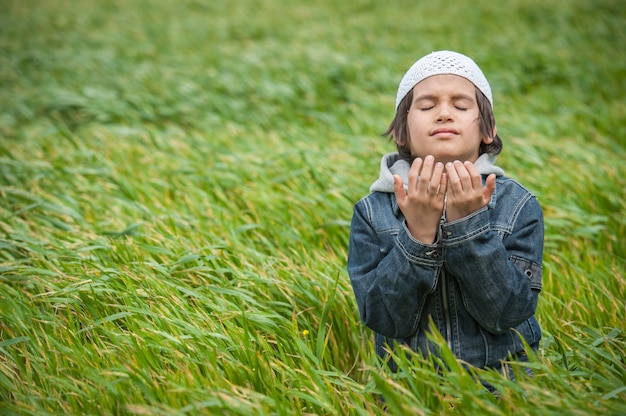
(176,187)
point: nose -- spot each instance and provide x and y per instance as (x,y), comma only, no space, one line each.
(444,113)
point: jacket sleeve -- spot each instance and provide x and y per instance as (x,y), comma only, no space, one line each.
(391,273)
(500,277)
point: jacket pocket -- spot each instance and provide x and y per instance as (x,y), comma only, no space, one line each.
(531,270)
(530,331)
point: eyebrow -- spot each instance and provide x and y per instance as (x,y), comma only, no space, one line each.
(456,97)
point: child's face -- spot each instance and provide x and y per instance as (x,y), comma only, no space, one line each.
(443,119)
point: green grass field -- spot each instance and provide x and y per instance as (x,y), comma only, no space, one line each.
(177,181)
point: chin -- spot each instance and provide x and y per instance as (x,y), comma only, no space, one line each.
(446,158)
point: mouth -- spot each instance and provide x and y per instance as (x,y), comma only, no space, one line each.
(444,132)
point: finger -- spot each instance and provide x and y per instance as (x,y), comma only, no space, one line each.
(443,185)
(436,178)
(464,175)
(398,189)
(454,182)
(427,171)
(414,173)
(475,176)
(489,189)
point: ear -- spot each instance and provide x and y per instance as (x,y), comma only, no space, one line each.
(489,140)
(395,138)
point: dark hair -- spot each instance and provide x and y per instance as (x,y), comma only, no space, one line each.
(486,123)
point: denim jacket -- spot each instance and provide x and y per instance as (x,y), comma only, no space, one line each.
(478,283)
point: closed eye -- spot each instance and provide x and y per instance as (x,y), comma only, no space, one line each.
(463,103)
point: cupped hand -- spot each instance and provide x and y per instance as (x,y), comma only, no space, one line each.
(423,202)
(466,193)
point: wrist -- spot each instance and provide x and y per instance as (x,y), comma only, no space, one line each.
(426,237)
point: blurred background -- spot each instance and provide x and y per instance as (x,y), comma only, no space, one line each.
(177,181)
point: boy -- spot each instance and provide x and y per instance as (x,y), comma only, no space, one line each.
(444,235)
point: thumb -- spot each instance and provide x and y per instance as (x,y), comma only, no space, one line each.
(490,187)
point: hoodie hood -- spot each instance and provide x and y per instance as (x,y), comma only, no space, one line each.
(391,164)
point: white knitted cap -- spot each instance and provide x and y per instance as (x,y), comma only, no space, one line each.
(443,62)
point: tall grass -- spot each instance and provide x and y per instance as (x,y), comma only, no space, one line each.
(177,180)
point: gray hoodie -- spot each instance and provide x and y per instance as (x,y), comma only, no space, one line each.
(391,164)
